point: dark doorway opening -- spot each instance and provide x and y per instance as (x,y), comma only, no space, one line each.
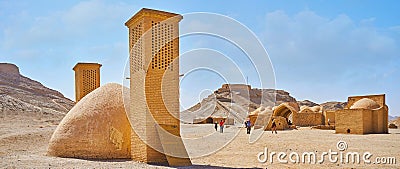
(209,120)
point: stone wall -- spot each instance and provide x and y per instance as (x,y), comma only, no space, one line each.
(362,121)
(308,119)
(352,121)
(281,123)
(331,116)
(235,87)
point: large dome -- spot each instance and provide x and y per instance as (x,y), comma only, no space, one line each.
(365,103)
(96,127)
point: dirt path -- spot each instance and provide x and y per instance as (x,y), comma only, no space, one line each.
(23,144)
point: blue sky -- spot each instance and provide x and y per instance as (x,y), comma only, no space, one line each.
(320,50)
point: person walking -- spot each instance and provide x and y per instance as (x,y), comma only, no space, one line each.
(248,126)
(216,126)
(221,126)
(274,127)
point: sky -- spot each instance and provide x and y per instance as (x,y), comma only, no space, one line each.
(319,50)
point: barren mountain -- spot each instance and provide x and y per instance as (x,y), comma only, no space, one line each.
(395,121)
(20,95)
(235,103)
(333,105)
(307,103)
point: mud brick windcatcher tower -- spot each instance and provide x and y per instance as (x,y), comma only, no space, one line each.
(154,87)
(87,79)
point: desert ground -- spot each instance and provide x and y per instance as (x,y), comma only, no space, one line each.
(24,140)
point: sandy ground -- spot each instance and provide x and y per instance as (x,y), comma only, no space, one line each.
(23,144)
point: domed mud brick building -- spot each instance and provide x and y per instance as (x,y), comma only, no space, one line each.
(95,128)
(363,115)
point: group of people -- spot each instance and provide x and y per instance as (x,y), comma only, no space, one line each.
(221,126)
(247,124)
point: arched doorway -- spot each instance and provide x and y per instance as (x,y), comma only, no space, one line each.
(282,114)
(209,120)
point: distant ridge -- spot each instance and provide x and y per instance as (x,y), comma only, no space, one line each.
(24,96)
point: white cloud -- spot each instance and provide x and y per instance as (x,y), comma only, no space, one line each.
(86,14)
(87,19)
(307,46)
(55,40)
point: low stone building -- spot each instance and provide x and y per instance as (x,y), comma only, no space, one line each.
(260,116)
(282,114)
(309,116)
(363,115)
(292,115)
(215,118)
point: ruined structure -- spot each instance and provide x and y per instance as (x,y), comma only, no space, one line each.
(363,115)
(215,118)
(234,87)
(282,114)
(309,116)
(154,88)
(96,127)
(87,79)
(330,115)
(287,114)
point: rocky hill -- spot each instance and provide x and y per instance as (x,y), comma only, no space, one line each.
(395,120)
(333,105)
(307,103)
(235,101)
(20,95)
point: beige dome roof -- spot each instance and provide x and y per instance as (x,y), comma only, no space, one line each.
(266,111)
(257,111)
(365,103)
(96,127)
(303,107)
(316,108)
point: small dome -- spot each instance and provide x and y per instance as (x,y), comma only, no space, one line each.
(316,108)
(365,103)
(257,111)
(303,107)
(266,111)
